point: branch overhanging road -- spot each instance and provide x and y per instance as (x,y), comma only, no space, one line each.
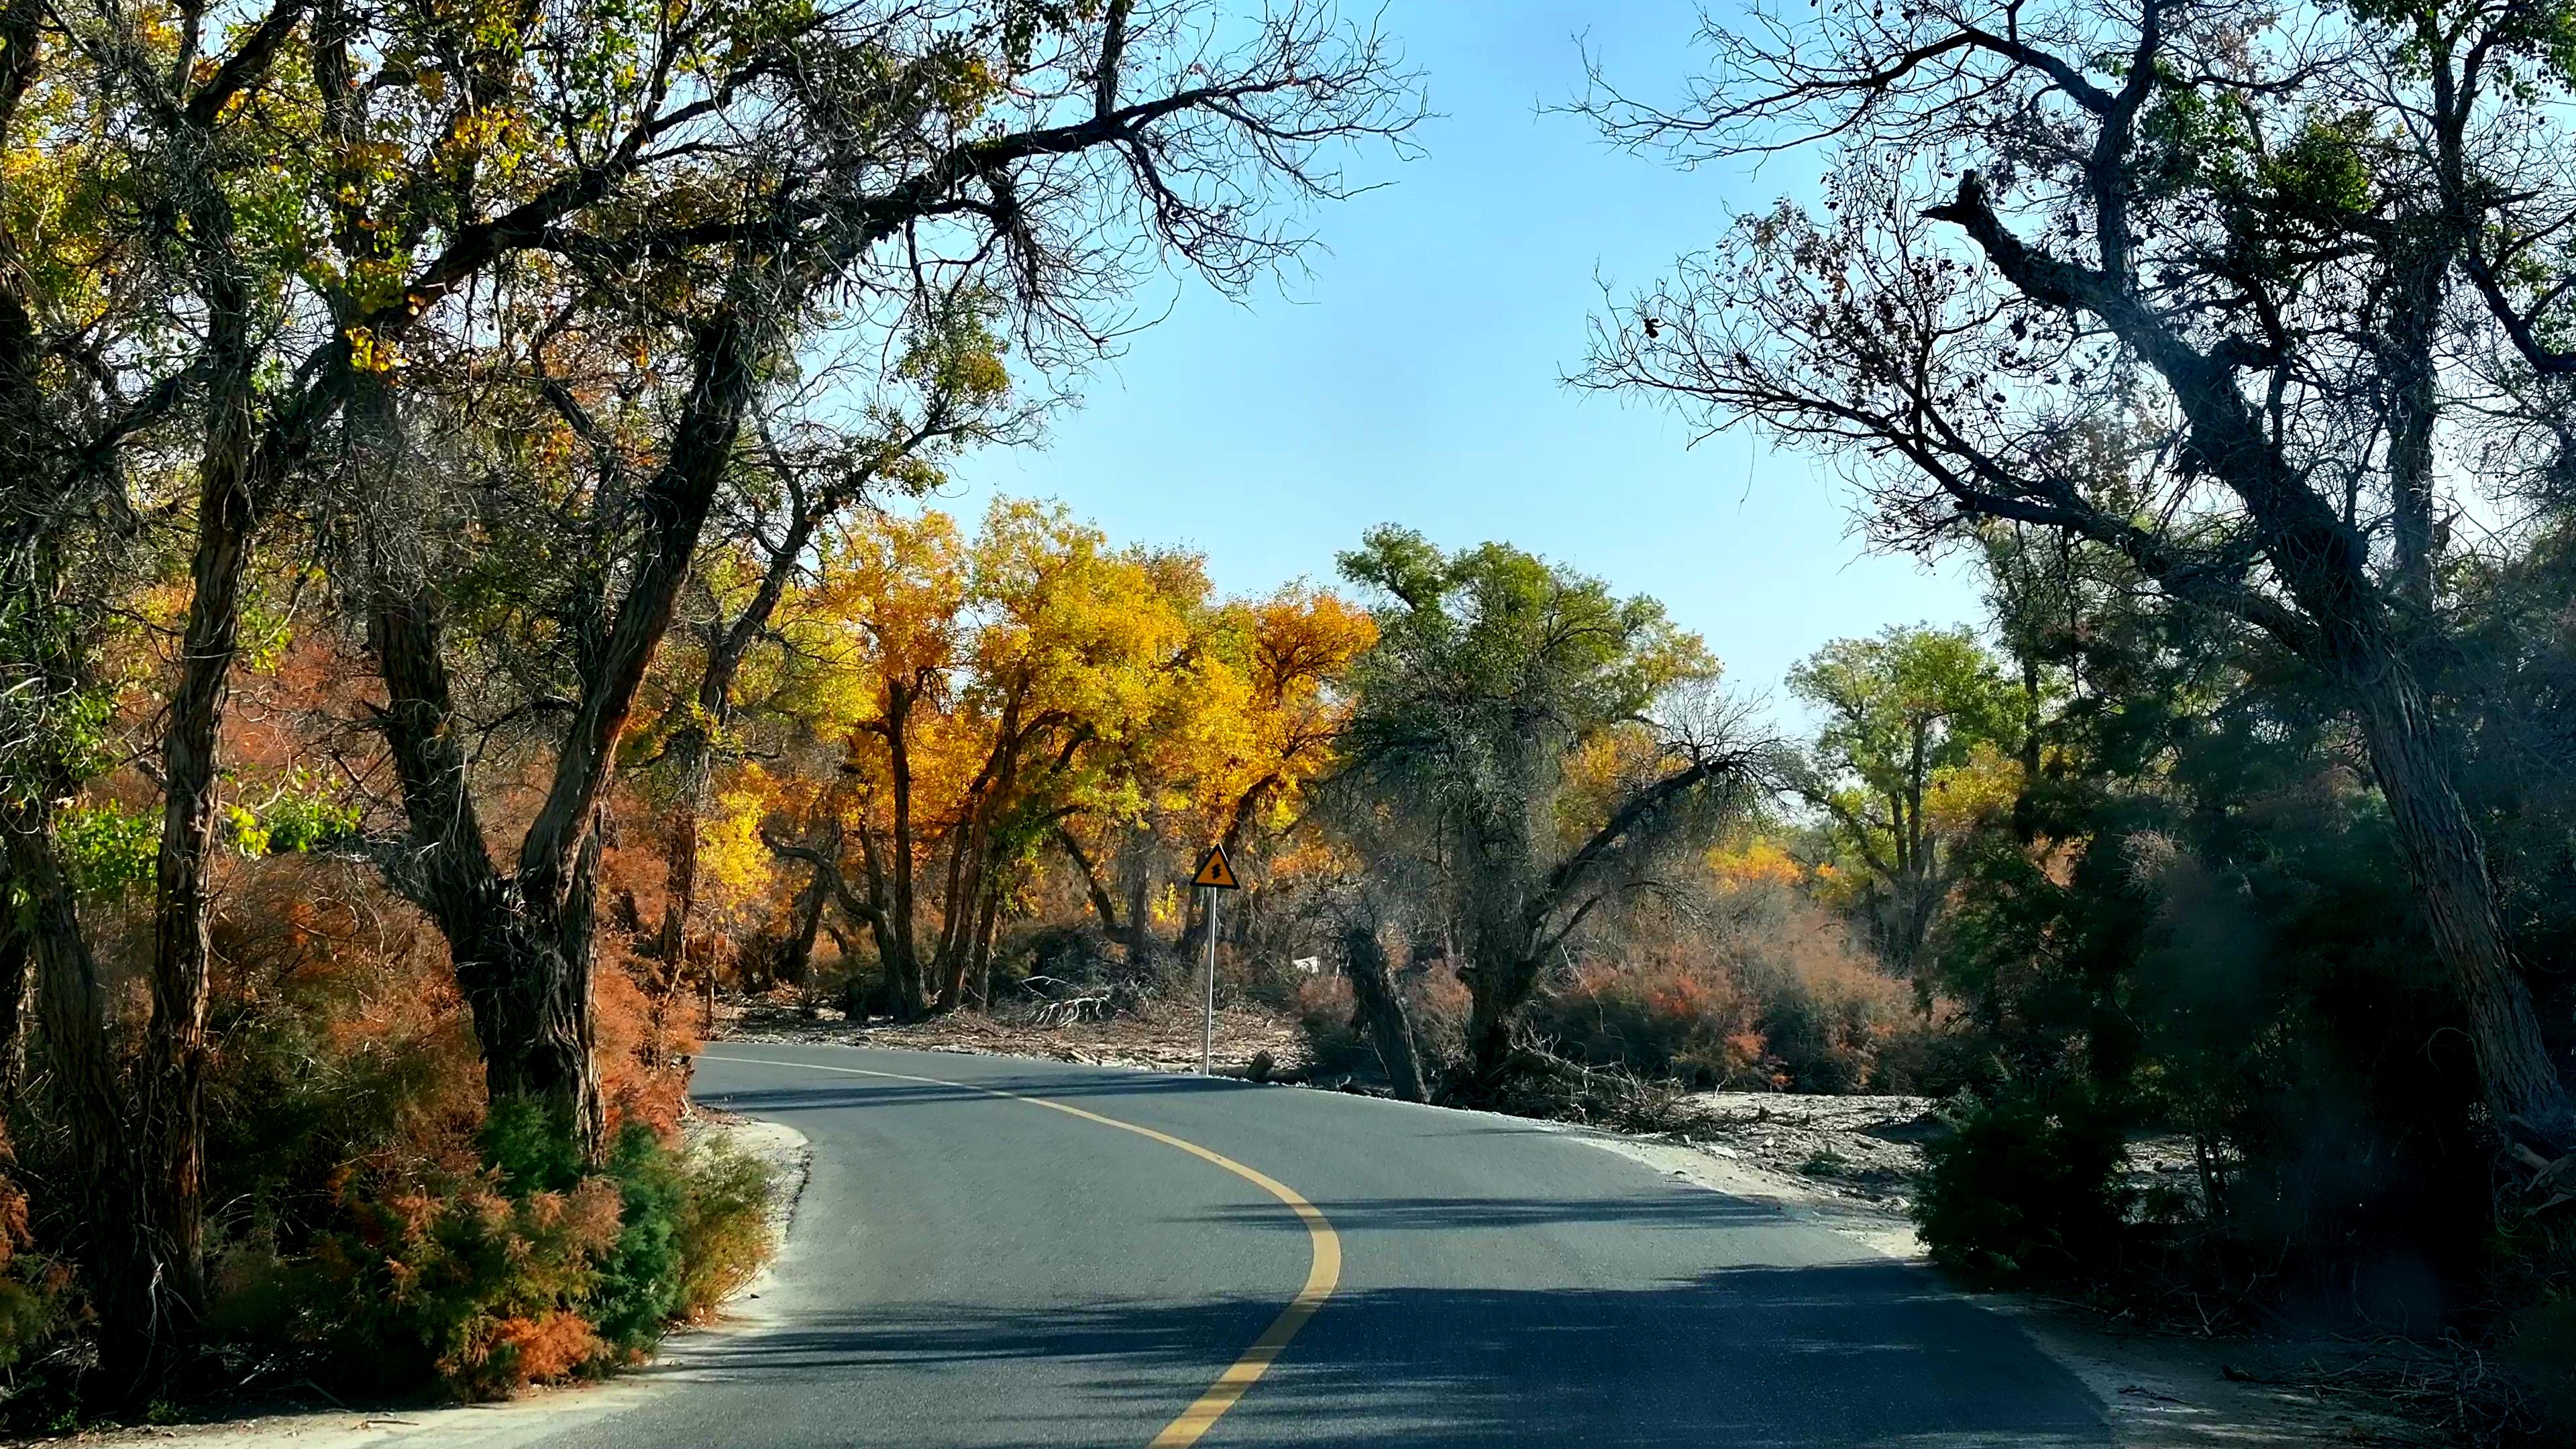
(995,1252)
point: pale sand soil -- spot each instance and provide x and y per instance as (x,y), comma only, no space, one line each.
(1163,1036)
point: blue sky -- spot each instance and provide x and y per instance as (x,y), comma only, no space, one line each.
(1413,376)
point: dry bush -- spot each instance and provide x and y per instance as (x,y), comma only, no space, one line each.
(1749,986)
(642,1049)
(1435,1003)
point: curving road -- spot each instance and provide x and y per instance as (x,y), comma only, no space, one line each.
(975,1269)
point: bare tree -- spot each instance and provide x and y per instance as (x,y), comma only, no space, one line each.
(2249,295)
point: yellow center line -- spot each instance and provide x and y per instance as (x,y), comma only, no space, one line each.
(1323,1268)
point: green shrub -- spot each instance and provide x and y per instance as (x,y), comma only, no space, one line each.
(35,1305)
(2026,1188)
(722,1228)
(533,1267)
(641,1278)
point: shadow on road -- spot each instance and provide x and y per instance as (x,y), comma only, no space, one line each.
(1841,1355)
(1686,1210)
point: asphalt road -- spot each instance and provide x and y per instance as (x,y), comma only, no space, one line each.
(971,1269)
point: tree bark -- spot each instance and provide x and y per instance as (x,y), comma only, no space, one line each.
(17,979)
(111,1183)
(2447,860)
(523,942)
(1382,1010)
(522,962)
(796,954)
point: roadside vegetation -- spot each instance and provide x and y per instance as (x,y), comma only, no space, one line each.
(444,534)
(473,591)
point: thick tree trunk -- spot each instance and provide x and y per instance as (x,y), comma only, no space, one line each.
(526,976)
(113,1180)
(523,958)
(523,943)
(1500,975)
(17,979)
(1381,1011)
(2524,1086)
(175,1046)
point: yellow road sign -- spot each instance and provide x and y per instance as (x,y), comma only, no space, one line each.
(1216,871)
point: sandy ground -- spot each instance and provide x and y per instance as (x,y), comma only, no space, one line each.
(1163,1037)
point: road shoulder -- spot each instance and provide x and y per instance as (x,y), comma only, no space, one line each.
(2157,1391)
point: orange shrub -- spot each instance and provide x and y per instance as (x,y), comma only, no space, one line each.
(1755,988)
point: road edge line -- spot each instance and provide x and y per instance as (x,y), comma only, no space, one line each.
(1323,1244)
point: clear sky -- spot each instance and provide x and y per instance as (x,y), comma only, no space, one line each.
(1413,377)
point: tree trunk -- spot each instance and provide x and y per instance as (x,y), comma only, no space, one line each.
(1136,864)
(113,1199)
(523,943)
(1364,964)
(1102,904)
(680,865)
(2447,860)
(796,954)
(523,958)
(173,1081)
(525,969)
(1500,975)
(17,979)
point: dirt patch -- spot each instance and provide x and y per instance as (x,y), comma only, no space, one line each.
(1160,1036)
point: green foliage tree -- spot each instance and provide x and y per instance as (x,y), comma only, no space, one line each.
(1493,672)
(1914,754)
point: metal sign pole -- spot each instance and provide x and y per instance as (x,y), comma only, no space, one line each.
(1207,1033)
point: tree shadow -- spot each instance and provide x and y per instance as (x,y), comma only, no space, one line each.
(1857,1354)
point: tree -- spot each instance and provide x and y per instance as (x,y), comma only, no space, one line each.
(2249,296)
(948,391)
(1247,717)
(184,317)
(775,174)
(1910,757)
(978,693)
(1492,670)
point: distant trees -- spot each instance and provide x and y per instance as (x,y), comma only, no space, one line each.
(947,392)
(1030,694)
(1917,747)
(1527,745)
(2247,299)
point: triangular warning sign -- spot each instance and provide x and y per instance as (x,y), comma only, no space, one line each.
(1216,871)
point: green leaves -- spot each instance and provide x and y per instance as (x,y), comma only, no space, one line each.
(107,848)
(1495,630)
